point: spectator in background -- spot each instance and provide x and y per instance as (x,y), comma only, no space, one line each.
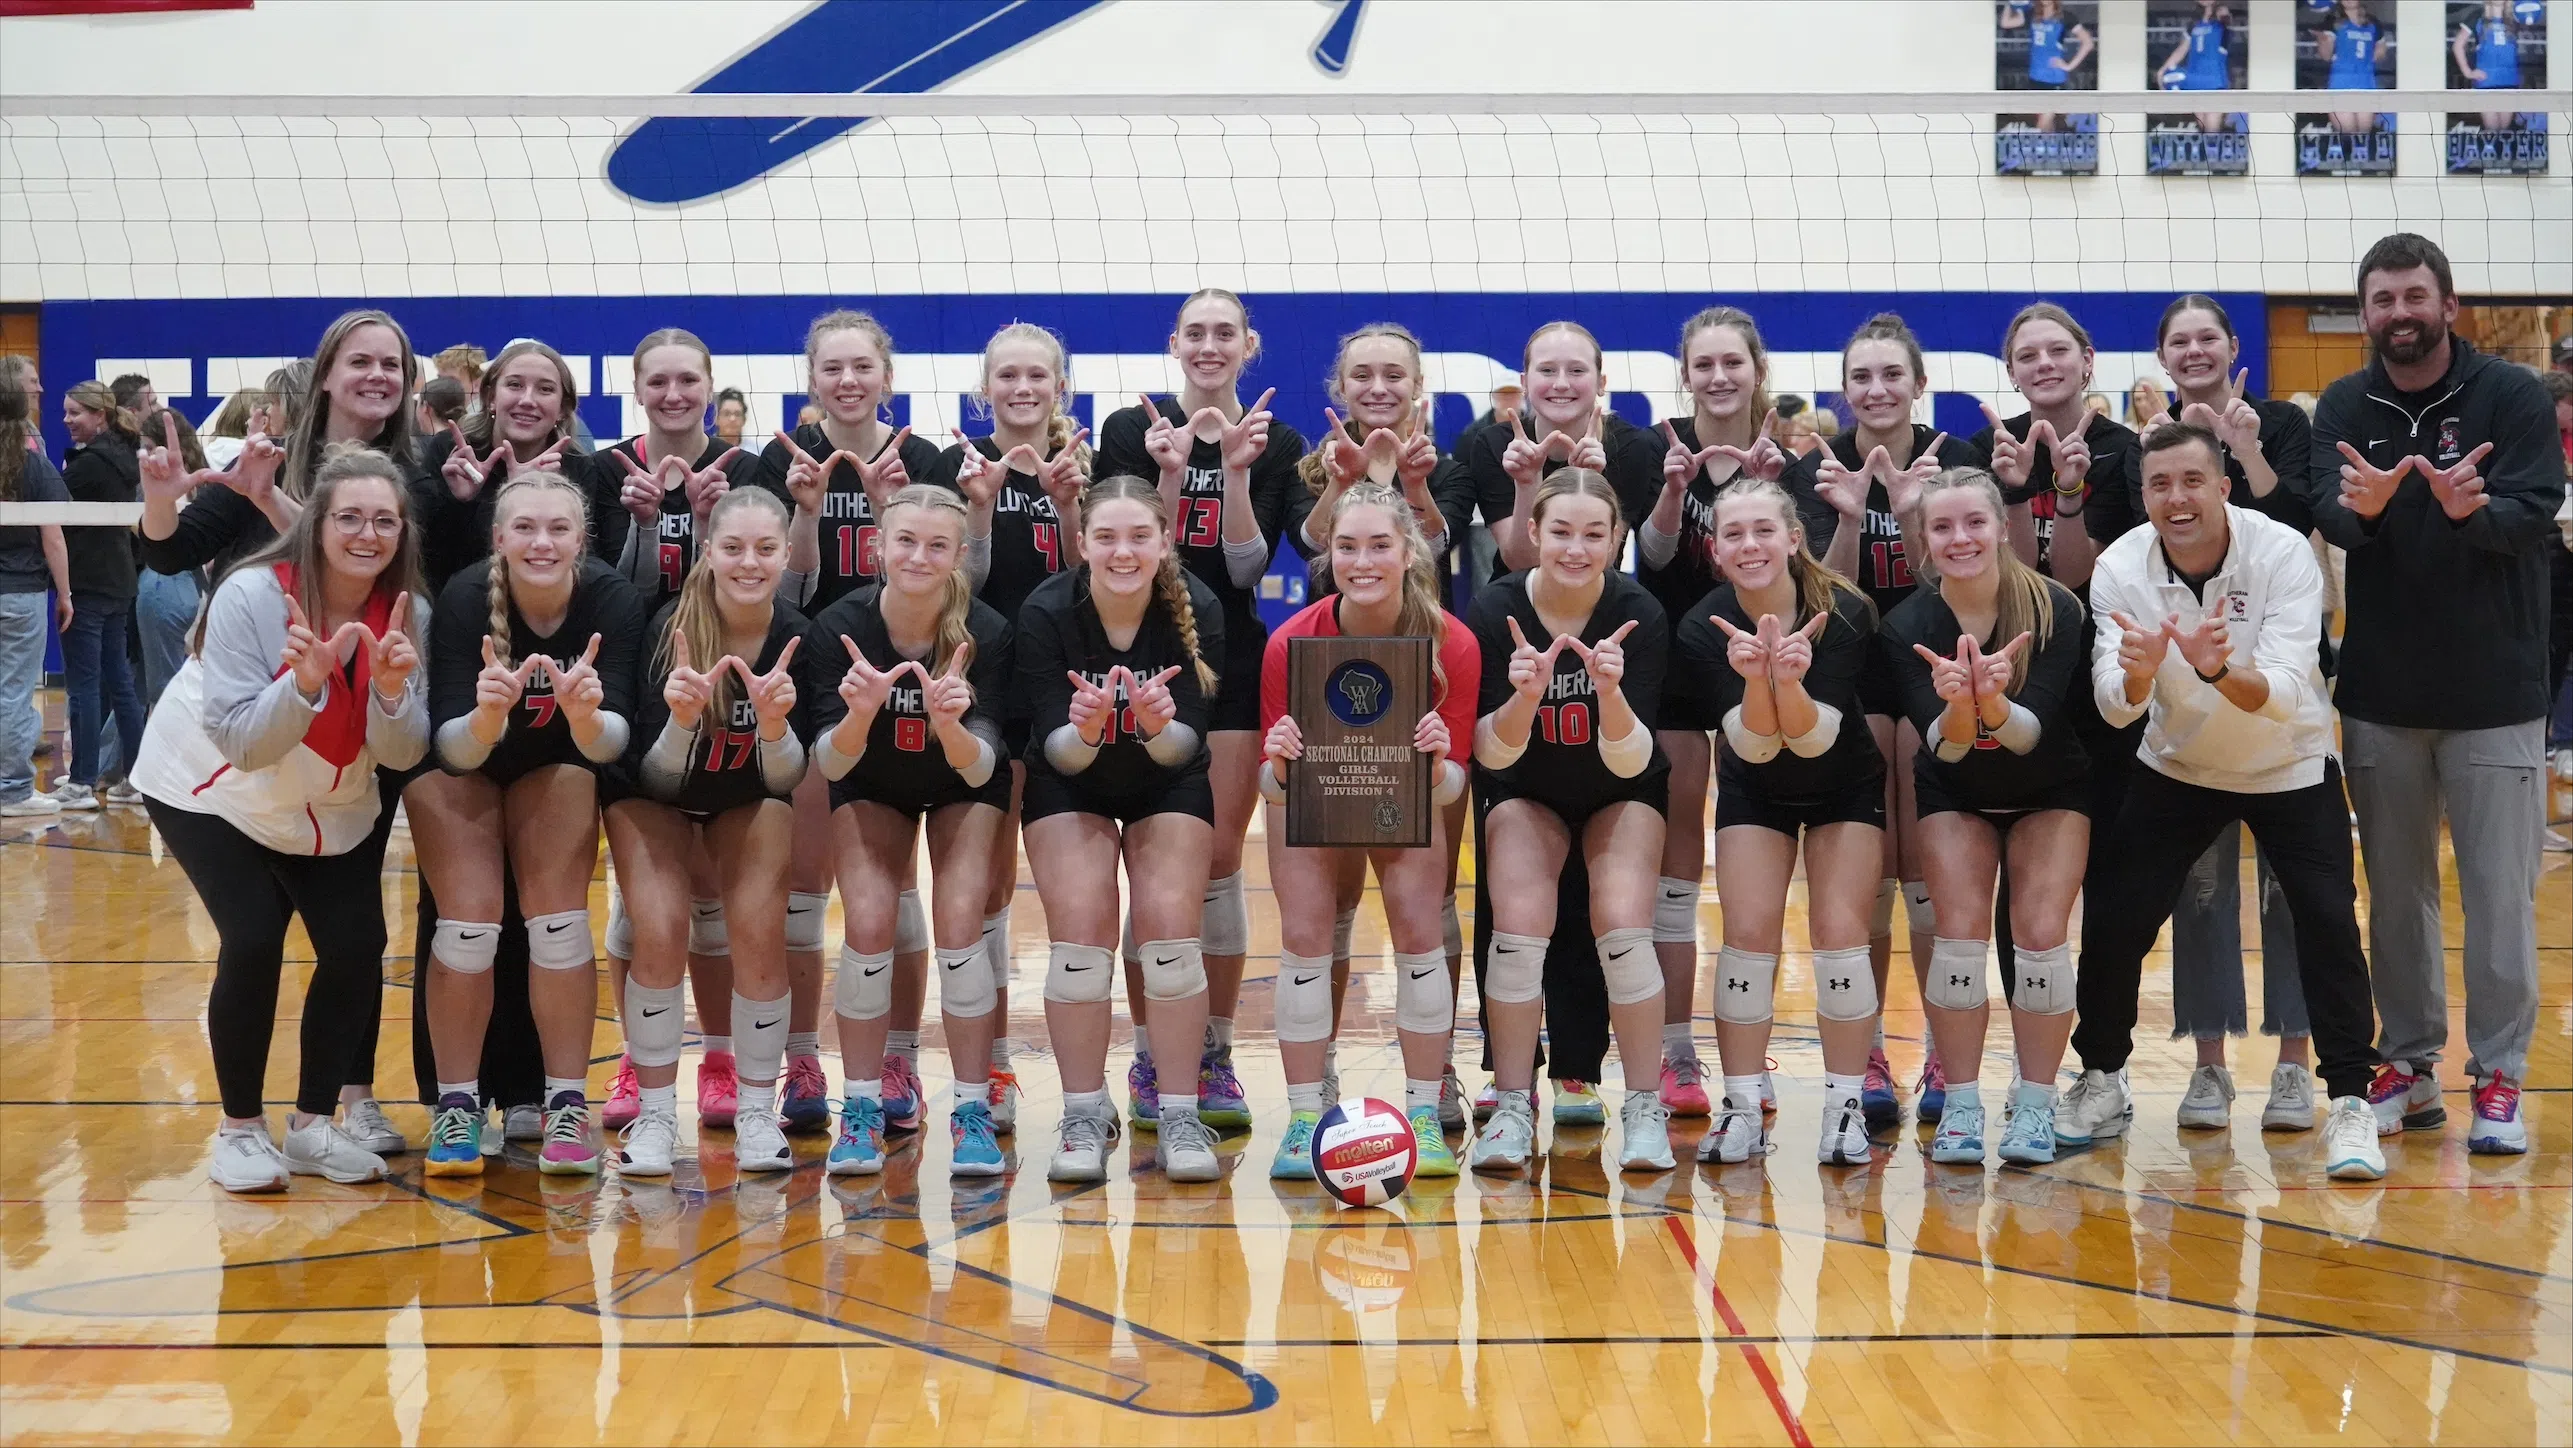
(1808,431)
(23,370)
(1789,404)
(100,468)
(165,604)
(2303,400)
(443,401)
(2559,636)
(2098,405)
(230,427)
(1507,399)
(732,413)
(463,362)
(2146,404)
(31,561)
(2439,470)
(133,392)
(808,415)
(2564,353)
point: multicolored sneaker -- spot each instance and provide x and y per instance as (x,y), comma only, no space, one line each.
(571,1148)
(1959,1141)
(1431,1155)
(1876,1098)
(859,1148)
(2404,1100)
(1003,1099)
(1577,1103)
(719,1089)
(2497,1129)
(902,1094)
(625,1097)
(1930,1098)
(1294,1161)
(1219,1093)
(977,1151)
(1143,1095)
(2028,1130)
(1684,1085)
(807,1103)
(455,1138)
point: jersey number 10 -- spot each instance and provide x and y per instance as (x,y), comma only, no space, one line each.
(1567,723)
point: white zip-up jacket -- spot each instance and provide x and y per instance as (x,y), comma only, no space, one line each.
(229,736)
(2269,593)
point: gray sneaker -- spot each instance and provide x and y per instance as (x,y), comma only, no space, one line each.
(121,792)
(1644,1124)
(319,1148)
(1509,1135)
(364,1122)
(246,1160)
(1187,1147)
(2209,1104)
(2291,1099)
(75,796)
(1081,1148)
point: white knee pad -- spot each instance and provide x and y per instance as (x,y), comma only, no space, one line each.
(1422,1001)
(707,933)
(467,947)
(804,919)
(1916,908)
(1173,969)
(996,948)
(655,1017)
(965,983)
(759,1037)
(910,926)
(620,936)
(1078,974)
(1627,962)
(1224,927)
(560,941)
(1303,1006)
(1956,975)
(1452,930)
(1746,986)
(1675,912)
(2044,982)
(1844,985)
(1516,971)
(863,990)
(1880,921)
(1344,929)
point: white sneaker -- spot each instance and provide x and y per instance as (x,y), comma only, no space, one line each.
(1187,1148)
(1509,1136)
(1844,1140)
(34,804)
(364,1122)
(121,793)
(319,1148)
(2350,1151)
(1081,1148)
(2098,1105)
(75,796)
(2291,1099)
(2208,1106)
(650,1144)
(2564,765)
(759,1139)
(245,1160)
(1736,1137)
(1644,1124)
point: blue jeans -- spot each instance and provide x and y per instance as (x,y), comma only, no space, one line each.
(22,665)
(165,610)
(99,680)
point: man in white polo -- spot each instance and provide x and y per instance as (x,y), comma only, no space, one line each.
(2207,623)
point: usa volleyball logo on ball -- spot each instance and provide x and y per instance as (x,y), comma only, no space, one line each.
(1363,1152)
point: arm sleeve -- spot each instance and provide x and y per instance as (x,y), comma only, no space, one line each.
(995,670)
(254,714)
(663,769)
(1653,547)
(210,522)
(2109,594)
(2291,627)
(2524,473)
(781,762)
(2339,526)
(1245,561)
(640,561)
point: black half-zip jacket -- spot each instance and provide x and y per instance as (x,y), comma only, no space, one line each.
(2447,620)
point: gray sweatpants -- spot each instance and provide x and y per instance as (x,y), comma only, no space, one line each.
(2207,999)
(2489,785)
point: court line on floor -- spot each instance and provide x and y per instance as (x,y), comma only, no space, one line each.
(1790,1339)
(1736,1333)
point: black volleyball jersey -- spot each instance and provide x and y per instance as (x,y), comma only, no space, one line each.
(847,532)
(1634,469)
(1692,571)
(673,548)
(1029,541)
(903,762)
(723,766)
(1884,574)
(603,603)
(1059,633)
(1843,653)
(1562,759)
(2111,508)
(1989,776)
(1279,501)
(455,533)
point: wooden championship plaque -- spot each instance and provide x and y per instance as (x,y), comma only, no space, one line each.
(1360,782)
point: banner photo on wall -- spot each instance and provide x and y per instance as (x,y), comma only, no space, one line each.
(2497,46)
(2196,45)
(2345,45)
(2046,48)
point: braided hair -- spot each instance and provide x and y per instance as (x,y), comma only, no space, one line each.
(1170,585)
(521,481)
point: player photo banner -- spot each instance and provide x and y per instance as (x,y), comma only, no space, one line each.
(2046,48)
(2345,45)
(2197,45)
(2495,47)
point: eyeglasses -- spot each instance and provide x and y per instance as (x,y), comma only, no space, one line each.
(350,522)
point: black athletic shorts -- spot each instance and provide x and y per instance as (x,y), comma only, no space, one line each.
(1048,793)
(994,791)
(1932,797)
(1652,787)
(1862,803)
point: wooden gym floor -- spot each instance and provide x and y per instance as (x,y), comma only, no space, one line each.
(2173,1287)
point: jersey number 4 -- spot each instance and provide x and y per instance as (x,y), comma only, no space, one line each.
(1567,723)
(1048,538)
(858,550)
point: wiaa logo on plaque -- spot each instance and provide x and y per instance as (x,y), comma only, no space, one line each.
(1359,693)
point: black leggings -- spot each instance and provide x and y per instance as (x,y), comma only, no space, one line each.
(251,892)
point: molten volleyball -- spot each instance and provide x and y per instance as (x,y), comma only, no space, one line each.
(1363,1152)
